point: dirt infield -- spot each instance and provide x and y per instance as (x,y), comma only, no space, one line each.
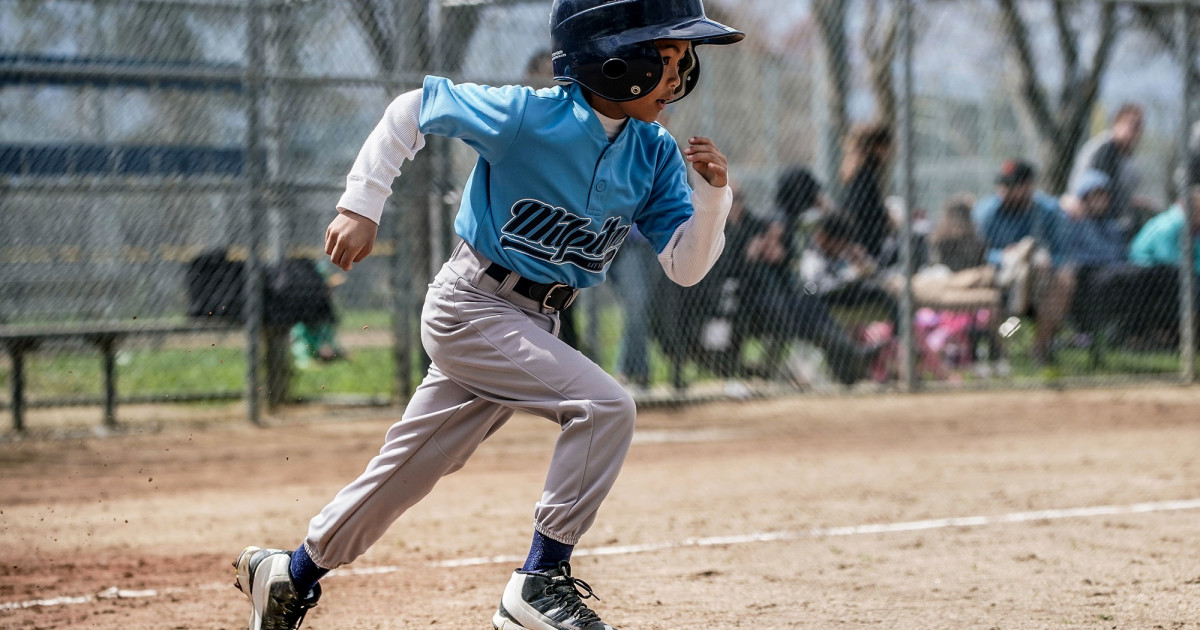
(793,513)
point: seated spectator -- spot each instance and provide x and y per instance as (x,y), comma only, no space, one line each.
(759,255)
(799,201)
(863,172)
(1093,236)
(301,290)
(1157,247)
(841,272)
(1024,234)
(751,293)
(955,242)
(1158,242)
(1111,293)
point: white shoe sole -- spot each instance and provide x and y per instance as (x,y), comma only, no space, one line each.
(501,622)
(243,581)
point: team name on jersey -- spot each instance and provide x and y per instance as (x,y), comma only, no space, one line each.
(555,235)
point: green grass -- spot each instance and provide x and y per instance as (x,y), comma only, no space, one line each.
(211,370)
(370,371)
(376,319)
(1077,362)
(367,371)
(143,372)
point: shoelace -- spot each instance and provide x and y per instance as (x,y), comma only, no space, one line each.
(293,614)
(569,592)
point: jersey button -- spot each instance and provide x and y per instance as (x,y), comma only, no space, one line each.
(601,185)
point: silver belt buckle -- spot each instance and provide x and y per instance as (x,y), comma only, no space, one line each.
(554,287)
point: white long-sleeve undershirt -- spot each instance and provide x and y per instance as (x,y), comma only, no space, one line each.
(690,253)
(395,139)
(698,241)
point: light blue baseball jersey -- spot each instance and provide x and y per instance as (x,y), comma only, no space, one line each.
(550,197)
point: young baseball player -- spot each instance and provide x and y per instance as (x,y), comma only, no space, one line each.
(563,173)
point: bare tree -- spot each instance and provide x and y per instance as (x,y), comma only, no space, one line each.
(878,40)
(1159,22)
(831,22)
(1060,121)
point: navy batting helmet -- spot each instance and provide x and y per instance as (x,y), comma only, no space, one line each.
(607,46)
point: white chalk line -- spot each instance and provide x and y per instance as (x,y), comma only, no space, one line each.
(710,541)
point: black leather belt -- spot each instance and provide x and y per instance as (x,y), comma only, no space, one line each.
(554,295)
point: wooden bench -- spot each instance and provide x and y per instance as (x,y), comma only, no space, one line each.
(107,336)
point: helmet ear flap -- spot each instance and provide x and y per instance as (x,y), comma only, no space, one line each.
(689,73)
(627,74)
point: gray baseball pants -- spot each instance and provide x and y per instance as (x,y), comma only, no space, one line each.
(494,352)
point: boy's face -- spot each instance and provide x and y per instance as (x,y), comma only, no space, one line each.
(653,103)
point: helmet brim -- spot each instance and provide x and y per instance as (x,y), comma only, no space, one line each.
(700,30)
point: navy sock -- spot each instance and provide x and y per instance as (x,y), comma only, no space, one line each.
(305,573)
(545,553)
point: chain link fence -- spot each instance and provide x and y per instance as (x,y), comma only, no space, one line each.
(928,194)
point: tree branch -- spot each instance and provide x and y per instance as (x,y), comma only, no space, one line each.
(1076,108)
(1103,52)
(1032,92)
(1068,43)
(1158,22)
(831,22)
(880,45)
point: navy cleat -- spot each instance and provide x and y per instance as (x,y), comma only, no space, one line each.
(262,574)
(547,601)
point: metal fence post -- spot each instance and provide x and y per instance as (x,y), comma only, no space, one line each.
(254,184)
(908,371)
(1187,272)
(410,228)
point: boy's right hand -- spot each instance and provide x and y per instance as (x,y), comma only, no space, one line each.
(349,238)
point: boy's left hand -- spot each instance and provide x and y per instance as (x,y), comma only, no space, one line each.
(708,161)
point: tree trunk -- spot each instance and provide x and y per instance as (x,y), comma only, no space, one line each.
(1060,125)
(831,22)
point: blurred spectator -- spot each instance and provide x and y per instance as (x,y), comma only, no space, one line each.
(800,203)
(955,242)
(840,271)
(1158,242)
(956,295)
(1111,153)
(315,335)
(1093,236)
(921,227)
(751,293)
(863,171)
(1024,232)
(1112,296)
(1157,247)
(770,302)
(215,284)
